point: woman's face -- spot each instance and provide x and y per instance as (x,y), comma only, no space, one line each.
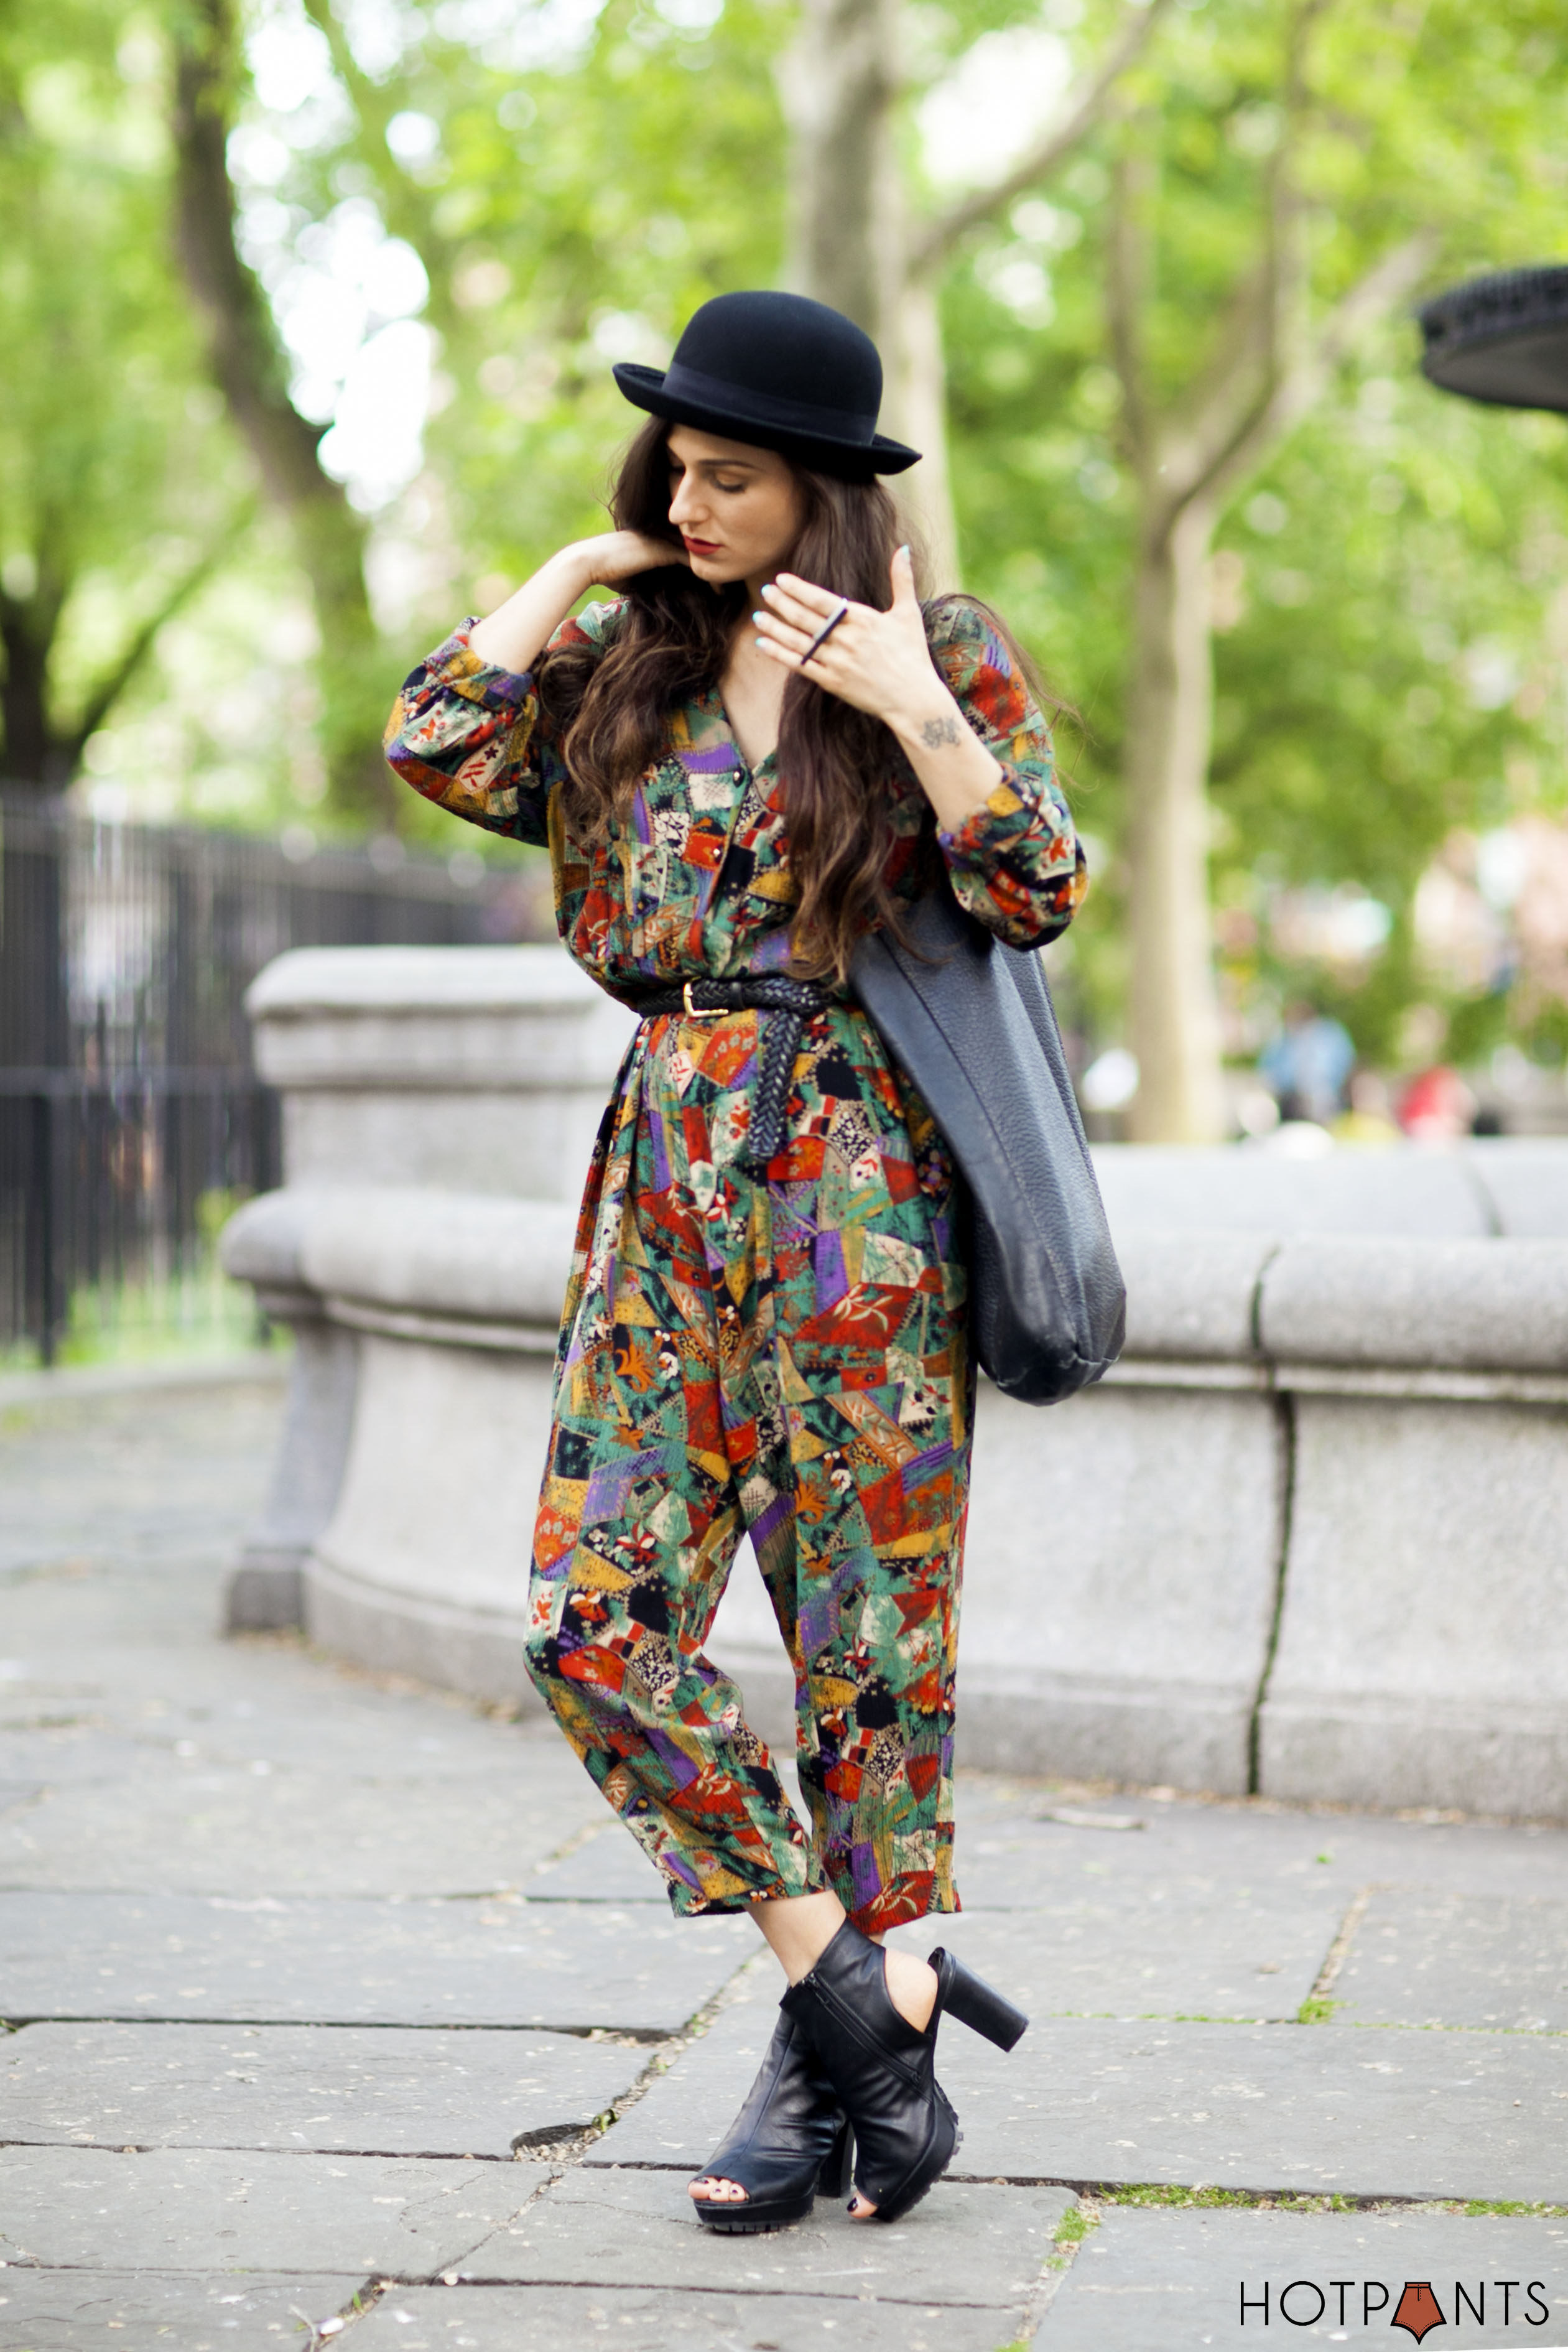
(738,508)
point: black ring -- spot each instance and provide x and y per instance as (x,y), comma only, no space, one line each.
(824,634)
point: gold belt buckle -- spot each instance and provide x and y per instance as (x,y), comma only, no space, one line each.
(700,1011)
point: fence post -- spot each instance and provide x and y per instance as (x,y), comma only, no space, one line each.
(126,1088)
(41,1188)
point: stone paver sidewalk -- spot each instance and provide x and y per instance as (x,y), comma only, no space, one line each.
(339,2011)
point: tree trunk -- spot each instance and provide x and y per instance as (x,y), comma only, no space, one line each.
(33,755)
(1175,1009)
(917,412)
(329,537)
(854,241)
(838,82)
(39,749)
(849,235)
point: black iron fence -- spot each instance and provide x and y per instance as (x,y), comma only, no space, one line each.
(130,1118)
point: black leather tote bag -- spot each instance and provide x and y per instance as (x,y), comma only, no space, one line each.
(972,1023)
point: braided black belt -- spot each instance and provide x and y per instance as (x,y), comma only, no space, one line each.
(791,1003)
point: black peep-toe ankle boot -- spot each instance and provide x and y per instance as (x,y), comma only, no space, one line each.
(789,2139)
(884,2070)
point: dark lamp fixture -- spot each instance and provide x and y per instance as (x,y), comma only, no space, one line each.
(1503,339)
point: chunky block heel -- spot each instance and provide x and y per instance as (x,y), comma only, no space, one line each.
(882,2068)
(975,2003)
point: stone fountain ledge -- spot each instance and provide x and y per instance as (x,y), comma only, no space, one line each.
(1308,1537)
(1313,1520)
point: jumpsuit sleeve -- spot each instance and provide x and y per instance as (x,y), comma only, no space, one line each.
(1015,864)
(473,740)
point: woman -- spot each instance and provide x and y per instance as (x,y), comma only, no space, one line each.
(758,749)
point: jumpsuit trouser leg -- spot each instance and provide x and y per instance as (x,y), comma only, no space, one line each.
(784,1357)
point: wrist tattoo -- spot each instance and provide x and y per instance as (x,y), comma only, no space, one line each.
(935,732)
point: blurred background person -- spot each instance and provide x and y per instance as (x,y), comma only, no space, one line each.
(1438,1106)
(1308,1064)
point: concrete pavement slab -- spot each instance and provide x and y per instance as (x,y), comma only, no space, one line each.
(683,2113)
(203,1705)
(1378,2113)
(262,1959)
(1012,1846)
(302,1832)
(1175,2280)
(364,1733)
(65,1624)
(965,2244)
(1151,1947)
(120,1476)
(192,2209)
(666,2319)
(1008,1859)
(609,1866)
(100,2310)
(112,1583)
(1424,1958)
(70,1754)
(376,2089)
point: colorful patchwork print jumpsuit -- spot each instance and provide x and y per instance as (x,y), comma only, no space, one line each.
(784,1357)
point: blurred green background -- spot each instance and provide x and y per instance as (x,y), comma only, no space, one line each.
(247,477)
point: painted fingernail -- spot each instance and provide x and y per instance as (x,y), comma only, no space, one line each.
(760,616)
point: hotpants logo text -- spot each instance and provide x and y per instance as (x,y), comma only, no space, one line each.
(1416,2305)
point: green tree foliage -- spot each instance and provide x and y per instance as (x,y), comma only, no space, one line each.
(1390,676)
(116,500)
(1383,584)
(574,181)
(567,213)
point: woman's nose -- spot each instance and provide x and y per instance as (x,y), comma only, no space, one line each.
(683,507)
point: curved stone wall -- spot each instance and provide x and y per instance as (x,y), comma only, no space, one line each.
(1310,1536)
(486,1069)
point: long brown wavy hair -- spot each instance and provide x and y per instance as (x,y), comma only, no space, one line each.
(836,763)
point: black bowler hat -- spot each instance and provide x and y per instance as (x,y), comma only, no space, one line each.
(782,373)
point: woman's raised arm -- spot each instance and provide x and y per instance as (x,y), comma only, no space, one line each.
(514,635)
(464,730)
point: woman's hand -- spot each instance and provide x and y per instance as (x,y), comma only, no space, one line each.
(881,662)
(616,556)
(514,635)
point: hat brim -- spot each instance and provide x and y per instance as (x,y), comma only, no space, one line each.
(644,388)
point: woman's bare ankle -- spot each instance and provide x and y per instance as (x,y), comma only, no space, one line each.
(911,1988)
(800,1928)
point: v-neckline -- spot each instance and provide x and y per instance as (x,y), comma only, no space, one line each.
(748,767)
